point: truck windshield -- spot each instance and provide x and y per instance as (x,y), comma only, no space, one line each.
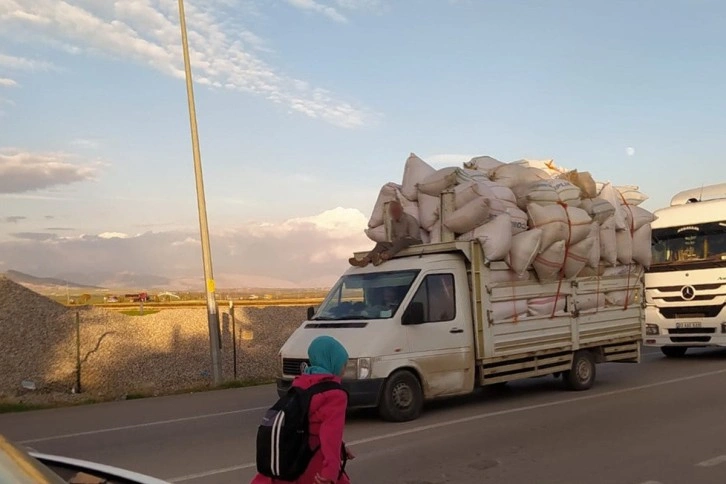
(691,246)
(366,296)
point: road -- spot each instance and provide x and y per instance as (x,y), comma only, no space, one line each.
(660,422)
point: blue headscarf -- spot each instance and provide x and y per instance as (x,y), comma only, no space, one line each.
(327,356)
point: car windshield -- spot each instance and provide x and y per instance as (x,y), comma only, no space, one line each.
(691,245)
(366,296)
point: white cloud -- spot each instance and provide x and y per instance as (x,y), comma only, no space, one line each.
(630,151)
(22,63)
(314,6)
(113,235)
(5,82)
(292,252)
(27,171)
(147,32)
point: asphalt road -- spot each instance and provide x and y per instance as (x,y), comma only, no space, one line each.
(660,422)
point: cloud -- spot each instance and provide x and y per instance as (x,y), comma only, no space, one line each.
(27,171)
(314,6)
(24,64)
(223,52)
(113,235)
(630,151)
(13,219)
(85,143)
(35,236)
(291,253)
(5,82)
(60,229)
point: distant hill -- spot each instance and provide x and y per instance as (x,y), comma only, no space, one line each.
(27,279)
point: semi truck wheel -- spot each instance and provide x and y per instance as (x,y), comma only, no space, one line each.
(582,375)
(402,398)
(674,351)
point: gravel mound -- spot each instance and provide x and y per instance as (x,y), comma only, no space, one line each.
(153,354)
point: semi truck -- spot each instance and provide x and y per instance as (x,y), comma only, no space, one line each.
(686,283)
(439,320)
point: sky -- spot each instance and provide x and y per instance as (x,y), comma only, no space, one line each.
(307,107)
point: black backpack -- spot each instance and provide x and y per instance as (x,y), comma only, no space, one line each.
(283,437)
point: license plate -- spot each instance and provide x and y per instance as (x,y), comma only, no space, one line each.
(688,325)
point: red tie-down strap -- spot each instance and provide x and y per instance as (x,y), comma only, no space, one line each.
(632,233)
(567,254)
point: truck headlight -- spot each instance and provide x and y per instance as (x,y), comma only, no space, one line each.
(357,369)
(723,327)
(652,329)
(364,368)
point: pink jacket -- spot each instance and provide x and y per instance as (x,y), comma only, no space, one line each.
(327,420)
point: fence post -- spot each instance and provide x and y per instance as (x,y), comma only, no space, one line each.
(234,339)
(78,352)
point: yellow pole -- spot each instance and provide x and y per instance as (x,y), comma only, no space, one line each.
(212,313)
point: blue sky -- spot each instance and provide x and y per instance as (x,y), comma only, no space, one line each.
(309,105)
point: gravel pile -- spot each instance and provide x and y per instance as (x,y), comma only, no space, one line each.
(153,354)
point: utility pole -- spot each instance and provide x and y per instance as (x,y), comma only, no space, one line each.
(215,340)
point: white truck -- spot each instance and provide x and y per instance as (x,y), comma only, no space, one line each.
(422,326)
(686,283)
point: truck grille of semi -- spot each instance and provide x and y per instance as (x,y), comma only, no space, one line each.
(293,366)
(691,312)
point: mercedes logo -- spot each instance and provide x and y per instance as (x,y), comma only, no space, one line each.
(303,367)
(688,293)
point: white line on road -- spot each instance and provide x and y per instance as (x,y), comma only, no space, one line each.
(141,425)
(472,418)
(712,462)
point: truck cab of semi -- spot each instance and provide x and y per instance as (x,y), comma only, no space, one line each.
(686,283)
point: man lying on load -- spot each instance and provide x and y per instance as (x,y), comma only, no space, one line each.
(405,232)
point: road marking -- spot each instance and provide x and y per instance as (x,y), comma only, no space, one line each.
(141,425)
(712,462)
(472,418)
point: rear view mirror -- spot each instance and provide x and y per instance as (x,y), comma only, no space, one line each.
(311,312)
(414,314)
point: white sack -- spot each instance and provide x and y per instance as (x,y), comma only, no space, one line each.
(608,242)
(567,192)
(377,234)
(593,259)
(546,306)
(485,164)
(619,298)
(552,220)
(386,194)
(624,241)
(468,191)
(578,256)
(630,195)
(464,175)
(542,193)
(495,237)
(583,181)
(609,193)
(428,210)
(509,276)
(505,310)
(639,216)
(589,302)
(438,181)
(518,219)
(511,175)
(425,236)
(471,215)
(599,209)
(415,171)
(409,206)
(525,247)
(548,264)
(642,253)
(505,194)
(579,224)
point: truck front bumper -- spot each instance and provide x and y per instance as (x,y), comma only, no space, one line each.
(361,393)
(693,340)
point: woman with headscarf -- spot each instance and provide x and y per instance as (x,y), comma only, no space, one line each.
(327,414)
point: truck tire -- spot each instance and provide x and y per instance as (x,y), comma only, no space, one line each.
(402,398)
(582,375)
(674,351)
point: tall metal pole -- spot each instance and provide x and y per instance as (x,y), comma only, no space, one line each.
(215,339)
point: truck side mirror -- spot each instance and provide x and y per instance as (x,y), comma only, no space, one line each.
(311,312)
(414,314)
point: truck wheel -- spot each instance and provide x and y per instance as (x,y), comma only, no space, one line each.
(582,375)
(674,351)
(402,398)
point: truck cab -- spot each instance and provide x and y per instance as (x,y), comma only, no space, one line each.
(686,283)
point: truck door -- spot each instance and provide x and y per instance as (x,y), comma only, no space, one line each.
(439,335)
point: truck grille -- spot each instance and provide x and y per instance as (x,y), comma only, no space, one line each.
(690,339)
(291,366)
(691,312)
(691,330)
(697,287)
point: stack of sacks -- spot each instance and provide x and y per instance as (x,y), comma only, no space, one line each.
(534,215)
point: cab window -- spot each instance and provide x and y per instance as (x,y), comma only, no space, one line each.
(436,297)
